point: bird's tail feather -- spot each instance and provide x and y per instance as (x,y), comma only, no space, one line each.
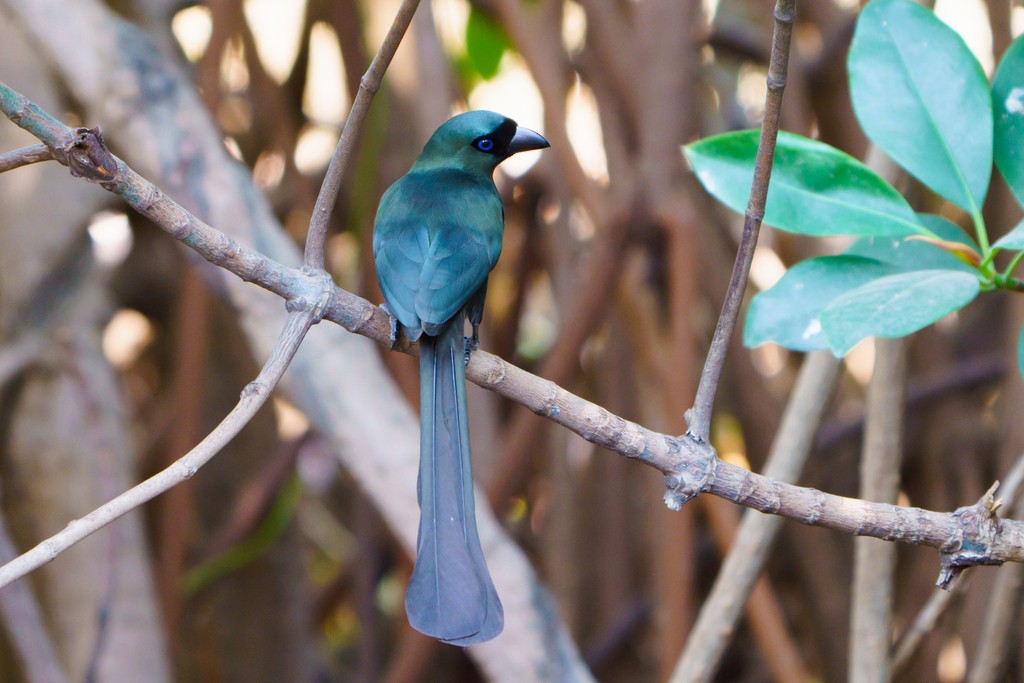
(450,594)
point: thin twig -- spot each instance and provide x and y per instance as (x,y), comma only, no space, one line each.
(967,537)
(32,118)
(699,417)
(317,236)
(24,156)
(253,397)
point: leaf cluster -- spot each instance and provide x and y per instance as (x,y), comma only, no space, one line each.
(922,97)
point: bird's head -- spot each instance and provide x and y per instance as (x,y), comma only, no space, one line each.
(477,141)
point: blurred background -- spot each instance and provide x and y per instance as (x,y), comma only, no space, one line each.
(119,350)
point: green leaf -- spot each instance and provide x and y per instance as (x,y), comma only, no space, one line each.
(946,229)
(486,43)
(1008,105)
(1013,240)
(909,254)
(815,189)
(895,306)
(920,94)
(788,313)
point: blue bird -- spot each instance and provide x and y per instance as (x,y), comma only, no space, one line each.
(437,235)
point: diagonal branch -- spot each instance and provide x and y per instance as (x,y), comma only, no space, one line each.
(699,417)
(253,397)
(969,536)
(368,86)
(345,393)
(24,156)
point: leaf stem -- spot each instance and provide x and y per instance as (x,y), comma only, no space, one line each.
(1013,284)
(982,234)
(1013,265)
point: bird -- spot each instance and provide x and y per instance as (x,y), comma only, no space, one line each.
(437,235)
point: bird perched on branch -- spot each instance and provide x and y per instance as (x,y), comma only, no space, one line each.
(436,237)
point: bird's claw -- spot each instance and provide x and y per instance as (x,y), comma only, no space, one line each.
(472,344)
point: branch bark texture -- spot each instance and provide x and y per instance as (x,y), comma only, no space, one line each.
(969,536)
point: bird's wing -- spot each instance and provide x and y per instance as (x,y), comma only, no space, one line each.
(399,257)
(436,238)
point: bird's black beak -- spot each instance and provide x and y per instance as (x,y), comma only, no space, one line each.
(525,140)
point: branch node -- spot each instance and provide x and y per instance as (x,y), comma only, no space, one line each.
(977,536)
(187,470)
(690,415)
(369,84)
(989,500)
(323,287)
(253,388)
(88,157)
(694,474)
(784,15)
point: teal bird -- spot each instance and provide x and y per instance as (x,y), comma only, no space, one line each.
(436,237)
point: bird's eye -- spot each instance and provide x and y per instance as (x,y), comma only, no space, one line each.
(484,144)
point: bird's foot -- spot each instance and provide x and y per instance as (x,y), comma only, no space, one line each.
(472,344)
(393,321)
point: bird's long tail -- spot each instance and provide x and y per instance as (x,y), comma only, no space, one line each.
(450,594)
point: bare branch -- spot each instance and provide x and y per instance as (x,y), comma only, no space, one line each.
(29,116)
(967,537)
(24,156)
(699,417)
(253,397)
(368,86)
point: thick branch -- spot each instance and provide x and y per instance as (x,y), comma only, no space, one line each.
(969,536)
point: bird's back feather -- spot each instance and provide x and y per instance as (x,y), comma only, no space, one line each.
(437,236)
